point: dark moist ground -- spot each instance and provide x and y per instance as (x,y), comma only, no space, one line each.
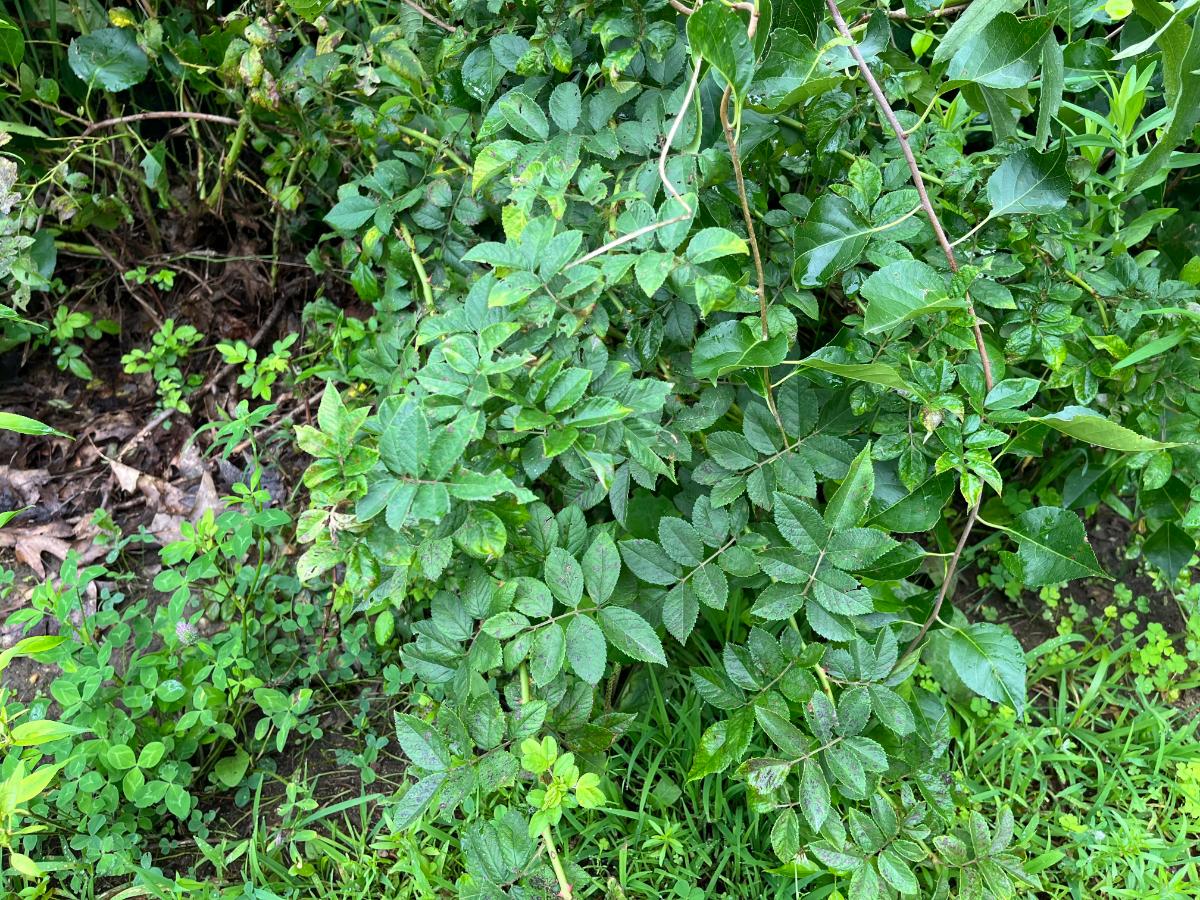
(223,287)
(1109,535)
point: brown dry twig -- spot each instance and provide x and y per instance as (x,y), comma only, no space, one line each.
(918,181)
(901,15)
(445,26)
(158,114)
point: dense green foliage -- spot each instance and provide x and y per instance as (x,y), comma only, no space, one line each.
(601,463)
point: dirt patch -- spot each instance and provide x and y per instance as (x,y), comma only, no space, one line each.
(145,472)
(1110,536)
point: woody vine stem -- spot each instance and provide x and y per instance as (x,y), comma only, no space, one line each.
(947,248)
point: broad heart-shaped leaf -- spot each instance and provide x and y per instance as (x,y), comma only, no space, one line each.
(1052,547)
(717,34)
(831,239)
(1005,53)
(794,70)
(848,506)
(12,43)
(972,21)
(230,769)
(631,634)
(1088,425)
(733,345)
(904,290)
(1169,549)
(1030,182)
(989,660)
(109,58)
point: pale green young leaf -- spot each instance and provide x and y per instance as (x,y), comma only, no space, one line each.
(1089,426)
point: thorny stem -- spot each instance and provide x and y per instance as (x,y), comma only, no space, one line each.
(235,151)
(442,146)
(919,183)
(418,264)
(903,15)
(740,180)
(565,891)
(972,515)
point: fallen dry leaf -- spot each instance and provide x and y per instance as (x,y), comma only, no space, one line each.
(127,476)
(26,484)
(165,524)
(30,543)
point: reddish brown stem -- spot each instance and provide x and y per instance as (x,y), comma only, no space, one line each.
(972,515)
(918,182)
(159,114)
(445,26)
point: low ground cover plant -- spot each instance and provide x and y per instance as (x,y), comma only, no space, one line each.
(678,404)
